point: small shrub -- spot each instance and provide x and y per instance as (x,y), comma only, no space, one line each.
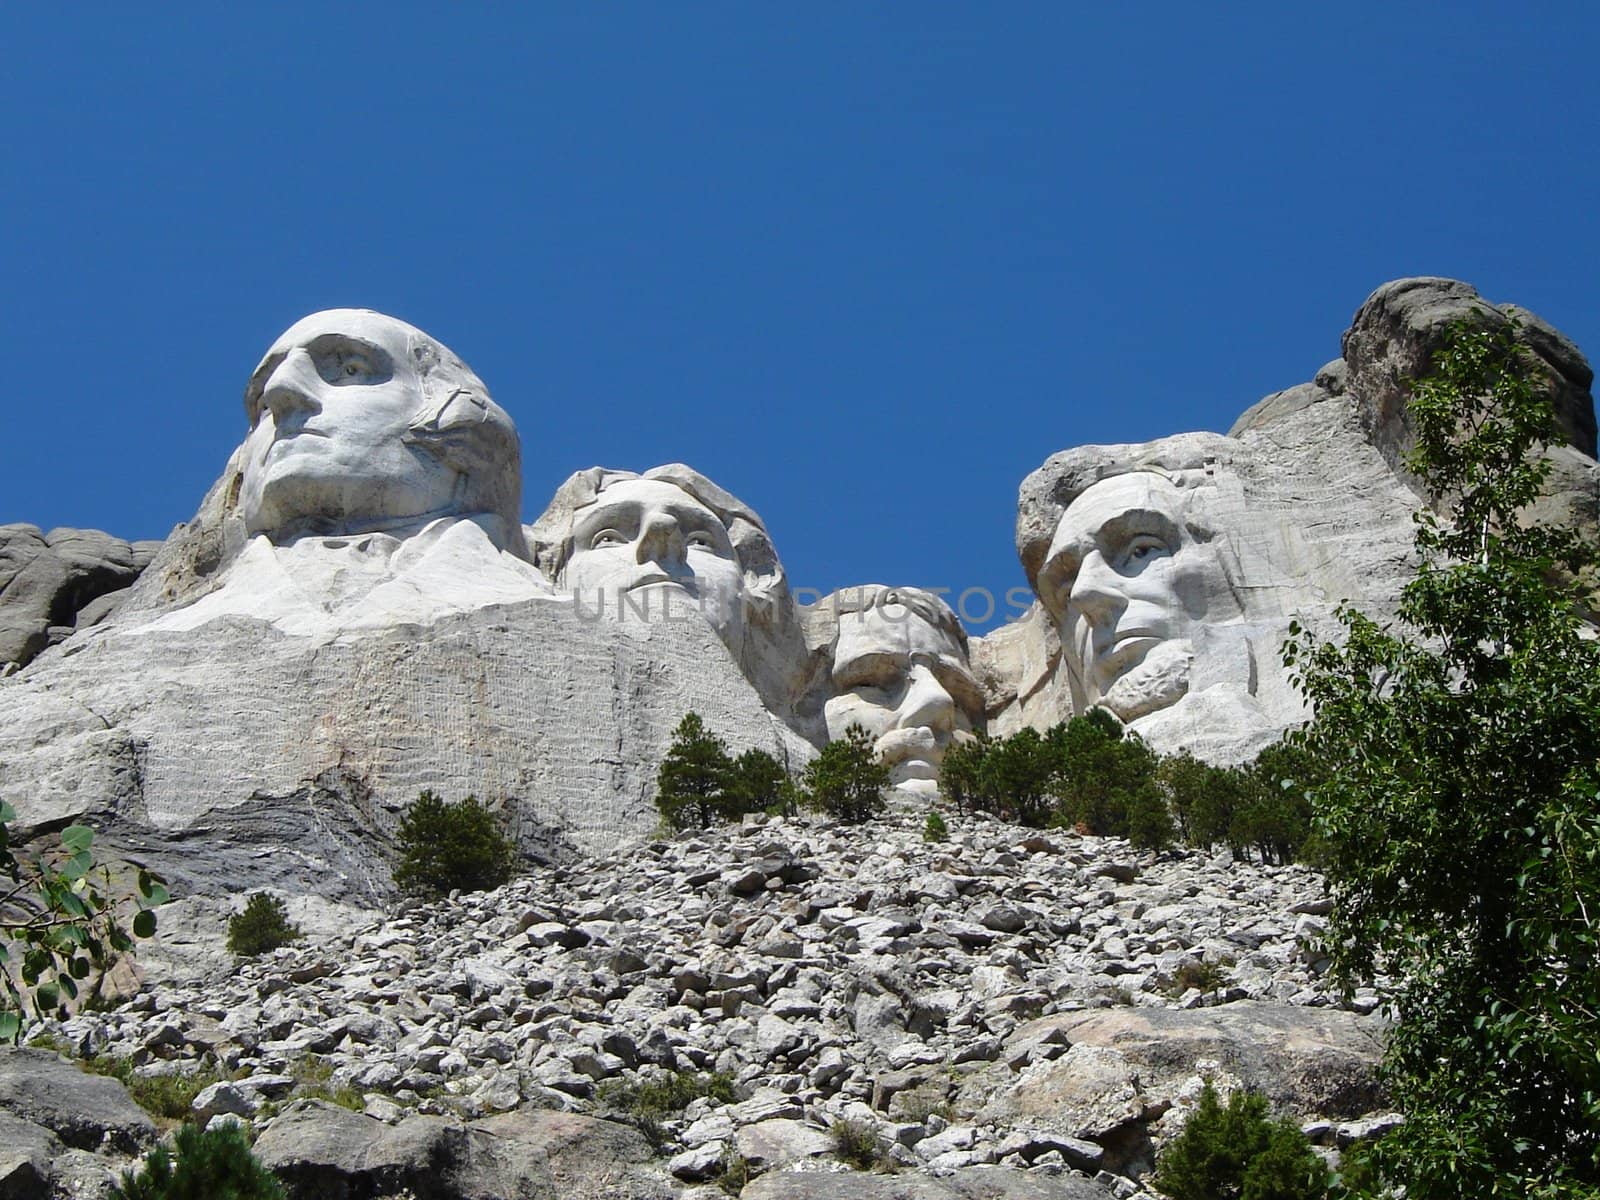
(165,1097)
(444,847)
(214,1164)
(935,829)
(1206,976)
(856,1142)
(648,1103)
(263,926)
(735,1172)
(1238,1150)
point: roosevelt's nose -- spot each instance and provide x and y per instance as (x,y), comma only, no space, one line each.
(292,387)
(660,541)
(927,703)
(1097,590)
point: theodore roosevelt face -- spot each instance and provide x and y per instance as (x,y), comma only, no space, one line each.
(1129,582)
(645,540)
(905,681)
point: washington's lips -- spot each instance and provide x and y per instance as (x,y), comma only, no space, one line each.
(657,579)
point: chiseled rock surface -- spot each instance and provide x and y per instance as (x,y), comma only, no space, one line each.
(53,583)
(239,756)
(970,1183)
(831,972)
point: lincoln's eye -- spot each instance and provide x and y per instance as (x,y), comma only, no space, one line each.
(606,537)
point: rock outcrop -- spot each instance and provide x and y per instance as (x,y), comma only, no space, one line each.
(53,584)
(1224,541)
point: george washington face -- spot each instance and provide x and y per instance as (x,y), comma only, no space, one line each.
(331,404)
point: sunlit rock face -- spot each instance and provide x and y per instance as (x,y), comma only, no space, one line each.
(378,484)
(352,617)
(670,546)
(897,666)
(1168,572)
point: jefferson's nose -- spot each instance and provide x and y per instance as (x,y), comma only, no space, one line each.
(660,541)
(292,387)
(1097,590)
(927,703)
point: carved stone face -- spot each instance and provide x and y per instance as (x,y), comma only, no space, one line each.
(332,402)
(649,547)
(906,682)
(1129,586)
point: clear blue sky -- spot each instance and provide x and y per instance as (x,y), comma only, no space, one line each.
(864,265)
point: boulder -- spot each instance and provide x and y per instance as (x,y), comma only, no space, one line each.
(83,1110)
(25,1153)
(320,1150)
(49,580)
(969,1183)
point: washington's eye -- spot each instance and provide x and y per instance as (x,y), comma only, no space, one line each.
(701,541)
(606,537)
(342,361)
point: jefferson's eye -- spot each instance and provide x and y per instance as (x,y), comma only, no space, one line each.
(1144,548)
(606,537)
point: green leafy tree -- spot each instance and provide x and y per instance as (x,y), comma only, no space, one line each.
(692,781)
(263,926)
(444,847)
(62,924)
(1238,1152)
(846,780)
(1461,807)
(214,1164)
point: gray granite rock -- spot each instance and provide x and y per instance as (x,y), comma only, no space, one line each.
(83,1110)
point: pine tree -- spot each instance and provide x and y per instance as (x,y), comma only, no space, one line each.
(846,780)
(692,781)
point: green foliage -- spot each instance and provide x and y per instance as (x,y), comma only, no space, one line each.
(846,780)
(856,1142)
(1460,808)
(166,1097)
(263,926)
(649,1102)
(934,828)
(736,1172)
(699,783)
(448,846)
(960,773)
(692,779)
(1205,976)
(757,782)
(214,1164)
(1239,1152)
(62,925)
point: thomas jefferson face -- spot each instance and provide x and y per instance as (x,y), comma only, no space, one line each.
(654,546)
(331,403)
(906,682)
(1129,584)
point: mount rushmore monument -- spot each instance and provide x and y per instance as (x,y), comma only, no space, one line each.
(357,610)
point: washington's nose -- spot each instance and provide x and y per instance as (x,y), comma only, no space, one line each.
(1097,592)
(292,387)
(660,541)
(927,703)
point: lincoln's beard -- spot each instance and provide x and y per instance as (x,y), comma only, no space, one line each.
(1160,679)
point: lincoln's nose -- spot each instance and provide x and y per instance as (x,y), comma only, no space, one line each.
(1096,592)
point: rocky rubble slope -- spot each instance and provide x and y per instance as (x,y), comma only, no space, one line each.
(1011,1013)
